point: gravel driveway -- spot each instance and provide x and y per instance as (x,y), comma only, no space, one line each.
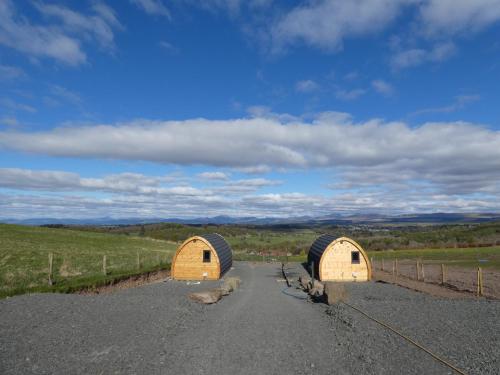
(258,329)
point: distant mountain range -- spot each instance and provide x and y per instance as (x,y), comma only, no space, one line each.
(434,218)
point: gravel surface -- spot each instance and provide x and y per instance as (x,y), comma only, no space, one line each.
(465,332)
(258,329)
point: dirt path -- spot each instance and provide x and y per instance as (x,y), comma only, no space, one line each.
(258,329)
(420,286)
(261,330)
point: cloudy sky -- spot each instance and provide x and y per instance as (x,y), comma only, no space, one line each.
(184,108)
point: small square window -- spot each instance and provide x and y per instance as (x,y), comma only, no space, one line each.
(355,257)
(206,256)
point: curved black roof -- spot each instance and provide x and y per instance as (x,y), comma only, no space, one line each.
(317,249)
(223,250)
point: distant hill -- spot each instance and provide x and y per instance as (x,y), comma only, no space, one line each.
(334,219)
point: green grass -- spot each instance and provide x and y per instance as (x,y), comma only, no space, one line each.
(297,242)
(297,239)
(488,257)
(78,251)
(78,257)
(243,256)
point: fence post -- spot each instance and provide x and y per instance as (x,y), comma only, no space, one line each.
(482,284)
(423,271)
(104,271)
(138,261)
(443,278)
(397,270)
(383,264)
(51,259)
(373,264)
(393,268)
(479,281)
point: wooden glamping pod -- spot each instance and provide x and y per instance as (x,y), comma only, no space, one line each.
(338,259)
(206,257)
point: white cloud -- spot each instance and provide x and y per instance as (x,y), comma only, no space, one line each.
(306,86)
(270,205)
(218,176)
(123,183)
(99,25)
(326,23)
(9,121)
(417,56)
(434,153)
(168,47)
(382,87)
(231,7)
(153,7)
(258,169)
(8,73)
(15,106)
(460,102)
(248,185)
(384,189)
(458,16)
(65,94)
(127,194)
(61,41)
(349,94)
(351,76)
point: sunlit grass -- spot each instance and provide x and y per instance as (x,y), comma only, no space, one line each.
(488,257)
(78,258)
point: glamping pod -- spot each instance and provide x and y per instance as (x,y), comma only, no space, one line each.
(206,257)
(338,259)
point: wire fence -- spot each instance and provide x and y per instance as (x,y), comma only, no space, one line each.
(56,270)
(483,282)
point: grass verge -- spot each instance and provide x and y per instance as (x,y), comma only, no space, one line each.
(487,257)
(77,258)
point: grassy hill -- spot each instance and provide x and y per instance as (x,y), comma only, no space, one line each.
(78,258)
(298,238)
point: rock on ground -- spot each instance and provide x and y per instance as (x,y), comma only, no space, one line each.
(207,297)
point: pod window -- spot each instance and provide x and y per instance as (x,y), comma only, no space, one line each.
(206,256)
(355,257)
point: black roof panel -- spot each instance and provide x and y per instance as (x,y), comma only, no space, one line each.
(223,250)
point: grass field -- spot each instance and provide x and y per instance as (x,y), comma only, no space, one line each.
(78,251)
(78,258)
(297,239)
(487,257)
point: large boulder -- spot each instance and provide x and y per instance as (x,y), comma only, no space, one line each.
(208,297)
(231,283)
(214,295)
(335,292)
(225,290)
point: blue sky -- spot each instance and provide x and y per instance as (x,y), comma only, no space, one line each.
(150,108)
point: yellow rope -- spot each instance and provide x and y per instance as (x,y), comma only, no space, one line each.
(435,356)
